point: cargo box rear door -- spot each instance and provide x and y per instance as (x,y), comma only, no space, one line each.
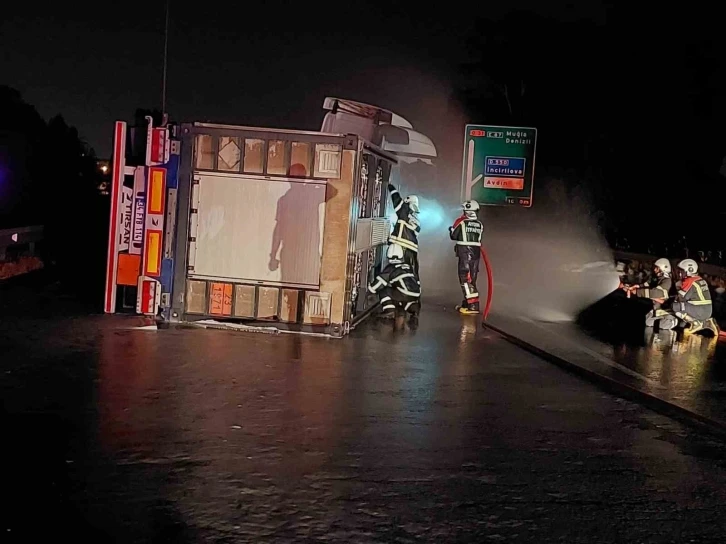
(254,229)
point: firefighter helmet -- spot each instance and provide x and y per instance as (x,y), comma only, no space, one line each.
(412,201)
(470,207)
(664,265)
(394,253)
(689,266)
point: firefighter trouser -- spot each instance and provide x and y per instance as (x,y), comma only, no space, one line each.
(668,320)
(693,314)
(392,298)
(468,271)
(410,257)
(665,319)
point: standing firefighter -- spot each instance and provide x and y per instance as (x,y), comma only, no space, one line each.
(405,231)
(397,285)
(466,233)
(658,292)
(693,305)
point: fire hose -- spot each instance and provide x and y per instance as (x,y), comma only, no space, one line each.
(490,283)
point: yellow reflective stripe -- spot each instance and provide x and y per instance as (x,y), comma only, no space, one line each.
(699,290)
(468,244)
(404,243)
(698,302)
(407,224)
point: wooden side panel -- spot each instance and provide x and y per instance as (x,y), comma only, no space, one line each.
(335,236)
(244,301)
(289,305)
(196,297)
(267,299)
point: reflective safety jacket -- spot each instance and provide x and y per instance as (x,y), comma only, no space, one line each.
(466,232)
(405,231)
(403,284)
(694,298)
(661,289)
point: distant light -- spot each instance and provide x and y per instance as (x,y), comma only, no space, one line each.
(14,237)
(104,169)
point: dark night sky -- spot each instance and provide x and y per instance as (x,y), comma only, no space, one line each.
(273,65)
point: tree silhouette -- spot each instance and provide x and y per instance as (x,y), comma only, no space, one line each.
(72,206)
(49,176)
(22,136)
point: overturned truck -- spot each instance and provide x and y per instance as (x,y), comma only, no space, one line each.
(225,224)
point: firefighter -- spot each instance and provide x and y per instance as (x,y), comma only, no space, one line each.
(466,233)
(397,286)
(405,231)
(693,305)
(658,291)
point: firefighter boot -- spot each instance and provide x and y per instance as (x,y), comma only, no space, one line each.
(694,326)
(702,326)
(470,309)
(713,326)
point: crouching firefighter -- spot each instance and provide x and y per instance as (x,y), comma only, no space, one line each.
(693,305)
(658,291)
(466,233)
(397,285)
(405,231)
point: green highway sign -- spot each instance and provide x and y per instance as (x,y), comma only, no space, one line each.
(499,165)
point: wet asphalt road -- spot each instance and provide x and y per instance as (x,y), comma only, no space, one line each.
(610,339)
(683,368)
(442,434)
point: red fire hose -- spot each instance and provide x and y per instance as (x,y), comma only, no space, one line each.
(490,283)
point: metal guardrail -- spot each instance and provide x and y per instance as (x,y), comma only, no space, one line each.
(18,237)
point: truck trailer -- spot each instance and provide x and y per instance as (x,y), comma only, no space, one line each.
(235,225)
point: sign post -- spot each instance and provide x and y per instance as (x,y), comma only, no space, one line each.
(499,165)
